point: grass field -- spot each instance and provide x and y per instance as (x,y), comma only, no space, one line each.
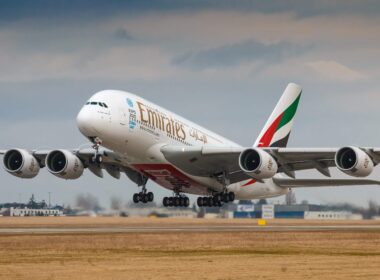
(185,255)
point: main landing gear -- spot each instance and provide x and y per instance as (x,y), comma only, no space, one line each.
(215,200)
(176,201)
(144,196)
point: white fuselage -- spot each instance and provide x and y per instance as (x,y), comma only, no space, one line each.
(136,129)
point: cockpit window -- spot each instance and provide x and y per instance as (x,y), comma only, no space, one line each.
(101,104)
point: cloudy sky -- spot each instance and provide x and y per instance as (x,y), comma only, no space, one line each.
(222,64)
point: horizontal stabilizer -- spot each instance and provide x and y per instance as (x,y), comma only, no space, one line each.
(306,183)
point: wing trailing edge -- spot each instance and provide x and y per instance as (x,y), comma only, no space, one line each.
(307,183)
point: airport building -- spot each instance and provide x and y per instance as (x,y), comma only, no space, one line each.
(32,208)
(298,211)
(22,212)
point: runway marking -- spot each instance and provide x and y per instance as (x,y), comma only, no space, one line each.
(211,228)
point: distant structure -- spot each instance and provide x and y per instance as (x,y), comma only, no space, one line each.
(246,209)
(26,212)
(32,208)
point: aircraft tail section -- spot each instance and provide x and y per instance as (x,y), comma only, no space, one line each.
(277,129)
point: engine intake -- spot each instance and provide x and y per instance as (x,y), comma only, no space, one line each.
(258,164)
(21,163)
(64,164)
(354,162)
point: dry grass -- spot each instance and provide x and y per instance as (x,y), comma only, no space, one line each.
(212,255)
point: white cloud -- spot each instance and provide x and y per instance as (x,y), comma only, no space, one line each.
(333,70)
(118,63)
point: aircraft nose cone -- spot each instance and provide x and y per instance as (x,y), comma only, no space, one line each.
(84,122)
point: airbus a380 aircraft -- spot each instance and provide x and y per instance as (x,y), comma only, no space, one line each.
(134,136)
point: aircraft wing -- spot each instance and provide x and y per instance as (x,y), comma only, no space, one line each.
(210,161)
(112,162)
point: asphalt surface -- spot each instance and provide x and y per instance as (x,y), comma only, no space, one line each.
(190,228)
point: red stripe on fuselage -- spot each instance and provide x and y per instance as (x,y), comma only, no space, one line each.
(250,182)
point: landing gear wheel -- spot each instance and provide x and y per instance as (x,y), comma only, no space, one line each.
(170,200)
(96,159)
(210,201)
(181,201)
(150,196)
(176,201)
(231,196)
(144,198)
(200,201)
(136,198)
(225,198)
(165,202)
(216,200)
(205,201)
(187,202)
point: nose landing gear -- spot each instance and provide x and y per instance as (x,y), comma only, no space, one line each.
(96,158)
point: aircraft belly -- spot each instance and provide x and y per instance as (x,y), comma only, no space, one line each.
(170,178)
(257,190)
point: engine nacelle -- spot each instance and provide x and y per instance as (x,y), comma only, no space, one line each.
(354,161)
(258,164)
(64,164)
(21,163)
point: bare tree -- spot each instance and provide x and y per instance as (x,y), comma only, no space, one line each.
(373,209)
(116,203)
(304,202)
(87,202)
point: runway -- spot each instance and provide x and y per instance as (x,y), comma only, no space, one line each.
(118,247)
(191,228)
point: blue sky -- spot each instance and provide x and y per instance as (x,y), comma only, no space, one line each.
(222,64)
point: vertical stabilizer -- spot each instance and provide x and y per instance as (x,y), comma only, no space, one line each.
(277,129)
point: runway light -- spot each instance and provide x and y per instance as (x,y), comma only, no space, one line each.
(262,222)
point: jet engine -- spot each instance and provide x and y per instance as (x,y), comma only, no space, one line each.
(354,161)
(21,163)
(64,164)
(258,164)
